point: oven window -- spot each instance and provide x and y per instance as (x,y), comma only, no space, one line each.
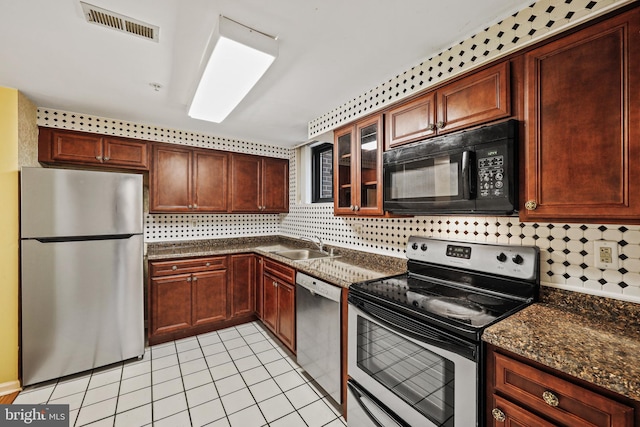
(418,376)
(433,178)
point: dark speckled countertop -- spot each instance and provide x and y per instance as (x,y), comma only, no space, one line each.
(348,267)
(592,338)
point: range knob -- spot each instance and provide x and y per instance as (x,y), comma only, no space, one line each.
(423,247)
(517,259)
(502,257)
(414,246)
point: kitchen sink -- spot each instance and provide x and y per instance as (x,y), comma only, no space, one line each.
(302,254)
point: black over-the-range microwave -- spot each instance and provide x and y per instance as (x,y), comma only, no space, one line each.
(468,172)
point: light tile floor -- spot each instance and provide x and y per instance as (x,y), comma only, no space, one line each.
(238,377)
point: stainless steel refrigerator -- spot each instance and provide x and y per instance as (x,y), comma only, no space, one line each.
(82,271)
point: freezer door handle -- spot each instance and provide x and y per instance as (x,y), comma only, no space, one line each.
(82,238)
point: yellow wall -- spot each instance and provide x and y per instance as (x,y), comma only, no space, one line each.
(9,234)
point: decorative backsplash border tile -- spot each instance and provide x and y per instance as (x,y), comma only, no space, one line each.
(532,24)
(50,117)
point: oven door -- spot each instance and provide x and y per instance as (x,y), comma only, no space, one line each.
(415,183)
(420,382)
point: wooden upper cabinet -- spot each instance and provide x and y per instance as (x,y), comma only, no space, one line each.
(170,179)
(478,98)
(124,152)
(210,174)
(411,121)
(475,99)
(259,184)
(187,180)
(275,185)
(358,168)
(64,146)
(245,183)
(582,107)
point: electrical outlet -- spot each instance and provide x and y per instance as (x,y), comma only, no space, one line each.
(606,254)
(357,228)
(194,222)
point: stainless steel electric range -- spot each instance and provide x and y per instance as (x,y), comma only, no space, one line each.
(415,354)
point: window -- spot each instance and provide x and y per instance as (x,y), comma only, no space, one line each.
(322,173)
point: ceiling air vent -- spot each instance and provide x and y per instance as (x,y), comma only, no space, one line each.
(106,18)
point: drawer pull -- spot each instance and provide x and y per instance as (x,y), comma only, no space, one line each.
(208,264)
(174,268)
(550,398)
(498,415)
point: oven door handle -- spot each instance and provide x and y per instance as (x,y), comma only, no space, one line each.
(428,336)
(468,184)
(369,405)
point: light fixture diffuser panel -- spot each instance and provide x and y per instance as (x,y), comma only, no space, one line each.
(239,58)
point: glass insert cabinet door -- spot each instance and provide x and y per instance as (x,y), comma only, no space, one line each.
(343,171)
(358,165)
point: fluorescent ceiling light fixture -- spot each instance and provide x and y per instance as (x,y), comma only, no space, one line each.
(238,57)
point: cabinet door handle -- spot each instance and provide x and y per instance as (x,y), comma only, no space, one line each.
(99,158)
(195,206)
(275,285)
(190,206)
(498,415)
(440,124)
(357,208)
(431,126)
(174,268)
(195,279)
(550,399)
(106,159)
(353,208)
(188,279)
(530,205)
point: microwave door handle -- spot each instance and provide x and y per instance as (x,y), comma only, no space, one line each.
(468,187)
(369,407)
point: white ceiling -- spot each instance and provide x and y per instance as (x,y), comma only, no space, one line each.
(330,52)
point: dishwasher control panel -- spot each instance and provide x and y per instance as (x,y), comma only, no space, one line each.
(318,287)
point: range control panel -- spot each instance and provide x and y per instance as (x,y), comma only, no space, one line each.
(519,262)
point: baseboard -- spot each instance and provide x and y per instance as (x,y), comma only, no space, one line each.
(9,387)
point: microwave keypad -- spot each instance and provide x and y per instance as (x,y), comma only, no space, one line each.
(491,176)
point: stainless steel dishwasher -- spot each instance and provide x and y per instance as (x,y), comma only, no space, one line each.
(318,331)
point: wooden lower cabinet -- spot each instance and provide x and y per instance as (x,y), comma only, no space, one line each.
(259,288)
(191,296)
(287,314)
(525,394)
(209,300)
(507,414)
(279,302)
(170,304)
(196,295)
(242,284)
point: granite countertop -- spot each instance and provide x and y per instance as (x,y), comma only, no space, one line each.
(349,266)
(577,335)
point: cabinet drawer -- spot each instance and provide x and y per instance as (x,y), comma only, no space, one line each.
(193,265)
(507,414)
(280,271)
(560,400)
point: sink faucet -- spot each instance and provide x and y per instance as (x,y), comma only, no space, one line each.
(319,243)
